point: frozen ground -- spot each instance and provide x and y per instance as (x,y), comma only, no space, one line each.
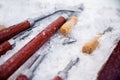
(96,17)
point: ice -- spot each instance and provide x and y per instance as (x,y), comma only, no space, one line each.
(97,16)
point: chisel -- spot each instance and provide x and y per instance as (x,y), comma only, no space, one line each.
(28,73)
(11,31)
(62,75)
(91,45)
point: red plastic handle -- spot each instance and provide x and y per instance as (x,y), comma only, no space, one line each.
(4,47)
(13,63)
(22,77)
(11,31)
(57,78)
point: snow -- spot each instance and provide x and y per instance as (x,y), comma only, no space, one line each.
(96,17)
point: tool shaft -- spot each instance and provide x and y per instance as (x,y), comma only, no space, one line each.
(70,65)
(36,63)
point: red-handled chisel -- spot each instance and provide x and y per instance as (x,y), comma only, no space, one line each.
(28,73)
(8,45)
(19,58)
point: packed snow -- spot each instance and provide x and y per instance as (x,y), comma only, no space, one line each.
(95,18)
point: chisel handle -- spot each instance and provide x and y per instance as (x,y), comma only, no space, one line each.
(4,47)
(91,45)
(22,77)
(2,27)
(111,69)
(57,78)
(67,27)
(11,31)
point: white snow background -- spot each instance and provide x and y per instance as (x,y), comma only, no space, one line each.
(96,17)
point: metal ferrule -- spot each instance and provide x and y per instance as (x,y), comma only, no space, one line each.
(27,73)
(31,21)
(11,41)
(63,75)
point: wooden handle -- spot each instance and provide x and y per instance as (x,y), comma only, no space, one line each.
(13,63)
(11,31)
(90,46)
(2,27)
(67,27)
(111,69)
(22,77)
(4,47)
(57,78)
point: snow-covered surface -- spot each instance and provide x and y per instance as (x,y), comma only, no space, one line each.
(96,17)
